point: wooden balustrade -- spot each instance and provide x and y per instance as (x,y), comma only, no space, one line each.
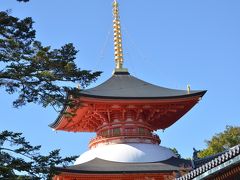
(123,136)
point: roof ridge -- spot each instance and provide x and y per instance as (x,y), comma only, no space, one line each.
(225,156)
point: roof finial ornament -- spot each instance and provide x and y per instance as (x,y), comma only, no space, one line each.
(118,51)
(188,88)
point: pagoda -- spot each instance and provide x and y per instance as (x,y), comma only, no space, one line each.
(124,112)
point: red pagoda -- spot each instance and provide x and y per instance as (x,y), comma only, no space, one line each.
(124,111)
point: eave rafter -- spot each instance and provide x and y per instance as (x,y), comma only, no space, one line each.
(158,115)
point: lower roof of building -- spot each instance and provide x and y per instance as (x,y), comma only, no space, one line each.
(100,166)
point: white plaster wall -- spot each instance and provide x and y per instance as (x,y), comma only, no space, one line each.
(130,152)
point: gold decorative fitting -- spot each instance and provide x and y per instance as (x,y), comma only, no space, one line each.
(118,51)
(188,88)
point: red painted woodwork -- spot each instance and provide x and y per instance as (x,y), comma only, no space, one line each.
(124,121)
(129,176)
(155,114)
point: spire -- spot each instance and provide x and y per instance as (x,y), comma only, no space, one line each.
(118,51)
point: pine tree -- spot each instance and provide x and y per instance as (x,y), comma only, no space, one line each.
(37,73)
(20,160)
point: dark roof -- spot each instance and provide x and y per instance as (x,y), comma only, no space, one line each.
(211,164)
(201,161)
(102,166)
(125,86)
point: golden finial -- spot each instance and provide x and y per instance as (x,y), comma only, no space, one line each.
(118,51)
(188,88)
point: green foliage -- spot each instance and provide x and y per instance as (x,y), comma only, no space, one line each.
(221,141)
(37,73)
(20,160)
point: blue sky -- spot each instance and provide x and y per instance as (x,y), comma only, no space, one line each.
(170,43)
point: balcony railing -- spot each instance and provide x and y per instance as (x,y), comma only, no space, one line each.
(124,136)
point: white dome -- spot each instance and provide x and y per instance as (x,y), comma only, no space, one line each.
(131,152)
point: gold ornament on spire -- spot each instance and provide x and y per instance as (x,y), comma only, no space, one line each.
(118,51)
(188,88)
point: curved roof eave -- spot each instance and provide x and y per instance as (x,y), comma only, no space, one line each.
(109,167)
(125,86)
(191,94)
(197,93)
(57,121)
